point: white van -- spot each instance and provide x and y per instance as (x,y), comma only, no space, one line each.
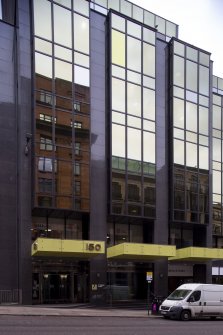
(194,301)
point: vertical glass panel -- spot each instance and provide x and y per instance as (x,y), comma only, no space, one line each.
(118,95)
(133,99)
(216,182)
(204,59)
(216,99)
(81,33)
(191,116)
(62,18)
(126,8)
(63,53)
(134,144)
(133,29)
(203,120)
(178,149)
(203,140)
(191,76)
(134,77)
(191,155)
(220,84)
(118,117)
(133,121)
(203,158)
(118,72)
(42,19)
(133,54)
(178,75)
(149,18)
(215,81)
(179,133)
(81,59)
(203,100)
(63,70)
(178,92)
(148,59)
(191,137)
(81,6)
(191,53)
(102,3)
(149,125)
(170,29)
(191,96)
(149,82)
(203,80)
(216,117)
(43,46)
(149,35)
(149,148)
(160,22)
(148,104)
(113,4)
(118,140)
(179,48)
(137,13)
(65,3)
(118,22)
(81,76)
(178,113)
(216,149)
(118,48)
(43,65)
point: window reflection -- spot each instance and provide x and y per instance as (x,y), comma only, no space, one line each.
(134,144)
(133,54)
(62,18)
(42,19)
(81,34)
(118,48)
(148,59)
(191,155)
(191,76)
(118,95)
(43,65)
(178,71)
(134,99)
(118,140)
(178,152)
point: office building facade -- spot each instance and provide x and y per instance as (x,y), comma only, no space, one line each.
(111,141)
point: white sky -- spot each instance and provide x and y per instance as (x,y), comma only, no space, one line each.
(200,23)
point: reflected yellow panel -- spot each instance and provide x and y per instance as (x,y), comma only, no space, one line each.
(118,48)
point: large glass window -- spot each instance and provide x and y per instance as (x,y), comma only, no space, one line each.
(62,109)
(191,152)
(133,116)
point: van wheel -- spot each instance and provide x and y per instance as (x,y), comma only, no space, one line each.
(185,315)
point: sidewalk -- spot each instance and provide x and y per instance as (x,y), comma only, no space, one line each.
(75,312)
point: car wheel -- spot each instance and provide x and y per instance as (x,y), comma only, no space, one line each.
(185,315)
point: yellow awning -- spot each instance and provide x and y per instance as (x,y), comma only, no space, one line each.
(140,251)
(197,254)
(67,248)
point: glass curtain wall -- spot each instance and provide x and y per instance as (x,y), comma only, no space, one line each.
(217,131)
(132,92)
(62,104)
(137,13)
(190,125)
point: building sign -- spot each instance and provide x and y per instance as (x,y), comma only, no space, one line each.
(93,246)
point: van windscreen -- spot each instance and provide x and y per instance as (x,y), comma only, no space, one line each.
(178,294)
